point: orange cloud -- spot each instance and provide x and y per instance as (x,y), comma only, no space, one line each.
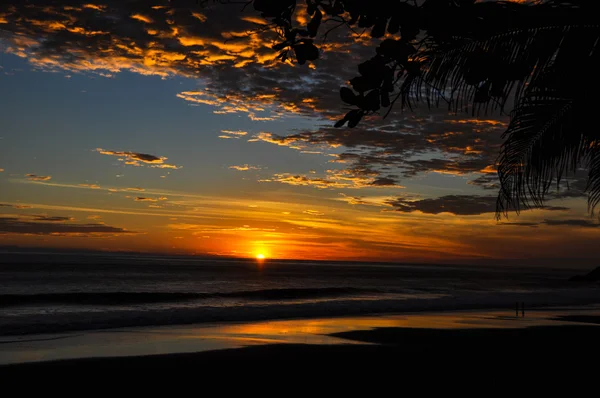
(255,20)
(134,189)
(244,167)
(34,177)
(202,229)
(313,213)
(378,201)
(161,41)
(137,159)
(95,7)
(272,139)
(55,226)
(234,134)
(91,186)
(290,179)
(166,166)
(191,41)
(489,170)
(336,179)
(142,18)
(236,103)
(199,16)
(146,199)
(15,206)
(142,157)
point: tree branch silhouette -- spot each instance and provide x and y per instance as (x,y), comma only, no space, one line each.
(476,55)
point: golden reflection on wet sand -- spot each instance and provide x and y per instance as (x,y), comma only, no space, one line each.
(185,339)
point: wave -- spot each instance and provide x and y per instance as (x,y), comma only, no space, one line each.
(124,298)
(120,318)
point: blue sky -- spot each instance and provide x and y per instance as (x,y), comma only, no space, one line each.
(204,177)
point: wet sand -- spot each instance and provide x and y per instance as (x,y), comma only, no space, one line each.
(452,343)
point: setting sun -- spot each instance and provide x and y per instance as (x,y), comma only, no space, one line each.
(260,256)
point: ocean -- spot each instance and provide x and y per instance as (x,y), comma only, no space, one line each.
(59,292)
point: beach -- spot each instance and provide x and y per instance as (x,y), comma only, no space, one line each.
(546,338)
(80,293)
(285,195)
(91,315)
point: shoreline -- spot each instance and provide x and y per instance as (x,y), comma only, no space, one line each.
(393,353)
(323,332)
(217,315)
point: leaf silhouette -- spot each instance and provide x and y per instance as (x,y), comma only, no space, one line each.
(379,28)
(273,8)
(306,51)
(315,22)
(348,96)
(354,117)
(541,58)
(371,102)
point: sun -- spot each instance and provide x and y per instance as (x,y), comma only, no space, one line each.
(260,256)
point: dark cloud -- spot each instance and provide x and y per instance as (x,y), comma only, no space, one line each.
(555,208)
(465,205)
(568,188)
(383,182)
(53,219)
(10,225)
(410,145)
(35,177)
(219,43)
(487,181)
(554,223)
(573,223)
(521,224)
(146,199)
(15,206)
(138,159)
(239,73)
(572,187)
(350,179)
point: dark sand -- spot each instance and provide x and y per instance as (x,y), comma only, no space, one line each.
(593,319)
(403,353)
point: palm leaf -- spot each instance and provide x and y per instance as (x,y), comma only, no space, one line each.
(550,74)
(593,186)
(538,149)
(500,67)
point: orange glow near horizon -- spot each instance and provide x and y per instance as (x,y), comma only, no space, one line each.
(273,229)
(264,177)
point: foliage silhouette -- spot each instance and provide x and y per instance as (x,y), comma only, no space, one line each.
(541,58)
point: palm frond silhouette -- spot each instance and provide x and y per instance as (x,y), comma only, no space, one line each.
(538,58)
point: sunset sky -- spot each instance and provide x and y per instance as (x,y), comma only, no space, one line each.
(138,126)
